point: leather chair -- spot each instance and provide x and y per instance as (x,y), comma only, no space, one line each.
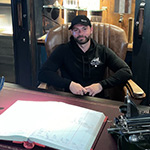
(109,35)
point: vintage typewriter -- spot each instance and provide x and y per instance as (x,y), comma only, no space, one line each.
(132,129)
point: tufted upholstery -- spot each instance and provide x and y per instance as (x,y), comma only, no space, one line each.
(109,35)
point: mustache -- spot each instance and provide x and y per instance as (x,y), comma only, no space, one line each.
(80,36)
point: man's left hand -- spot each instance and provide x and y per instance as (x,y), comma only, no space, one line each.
(94,89)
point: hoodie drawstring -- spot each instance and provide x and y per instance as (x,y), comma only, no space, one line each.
(86,62)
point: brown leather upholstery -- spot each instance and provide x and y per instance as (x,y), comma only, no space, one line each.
(109,35)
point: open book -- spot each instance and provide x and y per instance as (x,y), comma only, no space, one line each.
(53,124)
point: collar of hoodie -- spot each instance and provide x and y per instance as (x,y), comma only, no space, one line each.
(84,58)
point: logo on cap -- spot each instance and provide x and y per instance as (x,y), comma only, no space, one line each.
(82,20)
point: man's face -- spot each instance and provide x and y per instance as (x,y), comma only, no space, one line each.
(81,33)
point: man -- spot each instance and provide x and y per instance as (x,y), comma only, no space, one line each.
(82,63)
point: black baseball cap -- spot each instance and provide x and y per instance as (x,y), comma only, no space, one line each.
(80,19)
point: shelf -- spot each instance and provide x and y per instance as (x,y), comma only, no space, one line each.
(78,9)
(5,4)
(5,19)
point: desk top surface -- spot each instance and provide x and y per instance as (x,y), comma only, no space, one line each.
(12,92)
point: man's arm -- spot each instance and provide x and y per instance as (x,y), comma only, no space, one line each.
(122,71)
(49,71)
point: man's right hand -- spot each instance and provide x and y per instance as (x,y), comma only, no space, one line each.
(77,89)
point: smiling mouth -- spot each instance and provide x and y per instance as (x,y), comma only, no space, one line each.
(81,38)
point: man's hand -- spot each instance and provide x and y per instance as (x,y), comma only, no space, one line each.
(94,89)
(77,89)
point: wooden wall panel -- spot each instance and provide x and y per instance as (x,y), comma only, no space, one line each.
(109,16)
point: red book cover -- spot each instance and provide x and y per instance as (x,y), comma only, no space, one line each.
(99,133)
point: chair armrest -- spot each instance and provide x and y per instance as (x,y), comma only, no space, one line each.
(43,86)
(134,90)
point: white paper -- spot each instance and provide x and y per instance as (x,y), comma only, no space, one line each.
(54,124)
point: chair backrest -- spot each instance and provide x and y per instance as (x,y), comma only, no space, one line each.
(109,35)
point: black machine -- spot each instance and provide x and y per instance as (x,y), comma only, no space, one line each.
(132,129)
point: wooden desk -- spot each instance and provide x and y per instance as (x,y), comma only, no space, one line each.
(11,93)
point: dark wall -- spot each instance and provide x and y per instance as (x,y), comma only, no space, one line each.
(25,36)
(141,51)
(7,68)
(6,44)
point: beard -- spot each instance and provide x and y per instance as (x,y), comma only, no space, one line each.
(82,39)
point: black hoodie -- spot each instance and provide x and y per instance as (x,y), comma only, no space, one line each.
(84,68)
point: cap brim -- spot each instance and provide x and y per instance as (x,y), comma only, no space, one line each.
(70,27)
(82,23)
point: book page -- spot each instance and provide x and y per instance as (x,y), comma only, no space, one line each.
(54,124)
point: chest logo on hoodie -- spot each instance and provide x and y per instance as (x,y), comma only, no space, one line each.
(95,62)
